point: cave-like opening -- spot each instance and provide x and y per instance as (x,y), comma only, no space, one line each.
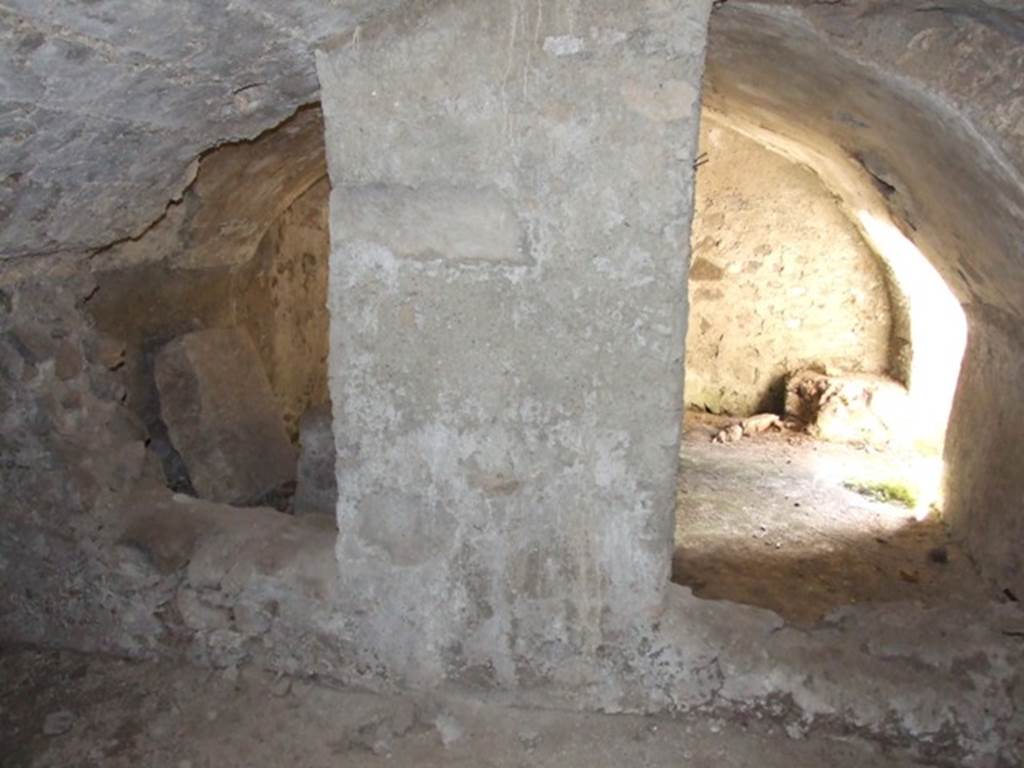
(822,356)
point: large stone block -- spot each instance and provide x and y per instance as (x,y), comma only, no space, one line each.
(222,416)
(512,192)
(848,407)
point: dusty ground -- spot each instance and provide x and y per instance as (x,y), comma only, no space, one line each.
(766,521)
(61,709)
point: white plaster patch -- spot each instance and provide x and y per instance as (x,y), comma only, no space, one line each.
(611,468)
(363,258)
(608,37)
(563,45)
(636,268)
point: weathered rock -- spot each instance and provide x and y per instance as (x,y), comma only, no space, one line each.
(762,422)
(222,415)
(317,491)
(856,408)
(729,434)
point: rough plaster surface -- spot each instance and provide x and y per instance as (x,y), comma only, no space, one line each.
(779,279)
(509,216)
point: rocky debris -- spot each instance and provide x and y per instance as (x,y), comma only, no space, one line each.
(729,434)
(222,416)
(762,422)
(912,577)
(754,425)
(317,490)
(846,408)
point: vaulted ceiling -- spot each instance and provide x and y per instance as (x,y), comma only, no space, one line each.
(106,105)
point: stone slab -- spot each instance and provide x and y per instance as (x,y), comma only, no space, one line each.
(222,416)
(861,409)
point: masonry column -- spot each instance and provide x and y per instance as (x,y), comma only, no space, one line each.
(512,194)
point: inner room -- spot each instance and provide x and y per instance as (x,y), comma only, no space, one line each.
(222,343)
(820,373)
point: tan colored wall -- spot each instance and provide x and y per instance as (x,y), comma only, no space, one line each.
(284,304)
(779,279)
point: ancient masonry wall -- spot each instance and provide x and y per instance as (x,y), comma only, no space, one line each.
(780,280)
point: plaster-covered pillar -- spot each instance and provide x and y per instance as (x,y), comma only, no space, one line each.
(512,194)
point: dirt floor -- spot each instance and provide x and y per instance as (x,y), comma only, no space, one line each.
(767,521)
(65,710)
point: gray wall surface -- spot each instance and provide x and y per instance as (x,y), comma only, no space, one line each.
(512,194)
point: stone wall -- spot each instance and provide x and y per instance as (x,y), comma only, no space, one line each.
(780,280)
(68,447)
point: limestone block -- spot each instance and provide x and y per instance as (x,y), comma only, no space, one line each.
(222,416)
(852,408)
(317,491)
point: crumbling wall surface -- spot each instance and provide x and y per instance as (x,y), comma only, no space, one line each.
(855,86)
(507,321)
(780,279)
(281,298)
(68,445)
(911,114)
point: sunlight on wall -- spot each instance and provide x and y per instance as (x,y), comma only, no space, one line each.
(938,329)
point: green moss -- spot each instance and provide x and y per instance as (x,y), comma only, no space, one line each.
(888,492)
